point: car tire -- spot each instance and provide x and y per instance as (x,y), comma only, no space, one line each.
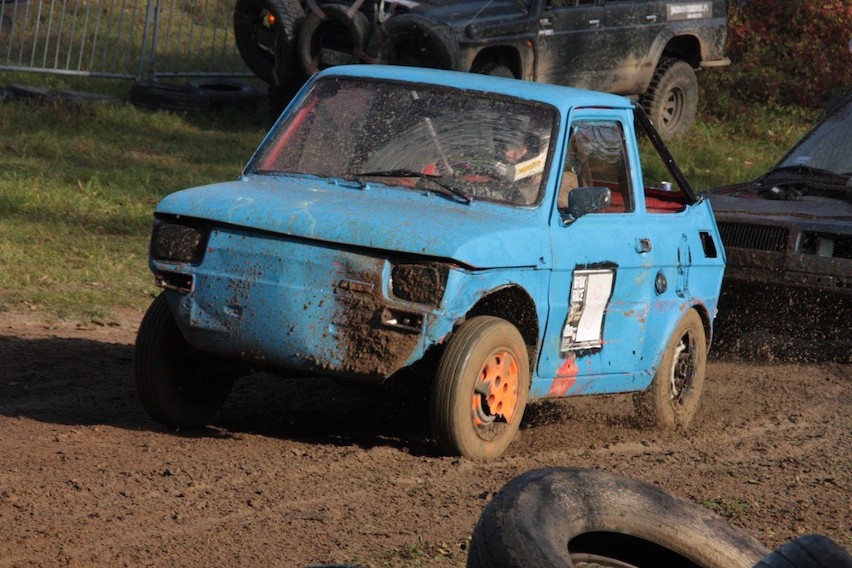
(347,30)
(415,41)
(809,551)
(169,96)
(562,516)
(480,389)
(179,386)
(671,100)
(268,51)
(226,92)
(672,399)
(494,69)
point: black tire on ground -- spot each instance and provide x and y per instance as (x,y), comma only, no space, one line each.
(809,551)
(672,97)
(413,40)
(561,517)
(169,96)
(334,36)
(226,92)
(672,400)
(494,69)
(179,386)
(266,45)
(480,389)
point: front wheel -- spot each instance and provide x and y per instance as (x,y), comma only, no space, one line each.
(672,399)
(178,385)
(480,389)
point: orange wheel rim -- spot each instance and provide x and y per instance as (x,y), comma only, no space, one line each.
(495,394)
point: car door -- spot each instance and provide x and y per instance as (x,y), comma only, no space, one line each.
(603,267)
(633,25)
(570,42)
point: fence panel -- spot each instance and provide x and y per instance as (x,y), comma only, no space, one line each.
(120,38)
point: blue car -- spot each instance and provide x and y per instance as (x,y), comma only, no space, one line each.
(515,240)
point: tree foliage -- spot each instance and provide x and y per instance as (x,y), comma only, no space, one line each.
(795,52)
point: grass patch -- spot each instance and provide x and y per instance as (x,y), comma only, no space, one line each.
(78,187)
(727,507)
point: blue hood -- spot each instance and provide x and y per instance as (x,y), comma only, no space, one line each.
(478,235)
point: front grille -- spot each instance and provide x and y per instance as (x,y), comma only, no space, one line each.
(757,237)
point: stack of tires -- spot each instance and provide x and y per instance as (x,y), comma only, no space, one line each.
(283,42)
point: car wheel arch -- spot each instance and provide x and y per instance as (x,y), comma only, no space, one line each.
(507,56)
(514,304)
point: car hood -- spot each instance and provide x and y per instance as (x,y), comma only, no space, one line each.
(745,200)
(375,216)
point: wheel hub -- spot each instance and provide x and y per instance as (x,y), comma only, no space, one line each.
(683,368)
(496,391)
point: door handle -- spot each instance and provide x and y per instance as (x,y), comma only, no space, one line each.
(643,245)
(651,18)
(594,23)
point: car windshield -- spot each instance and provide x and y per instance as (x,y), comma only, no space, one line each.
(825,153)
(461,144)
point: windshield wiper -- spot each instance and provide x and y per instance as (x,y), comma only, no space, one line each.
(443,188)
(825,176)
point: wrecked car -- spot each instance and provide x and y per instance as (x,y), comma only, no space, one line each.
(499,237)
(649,50)
(788,236)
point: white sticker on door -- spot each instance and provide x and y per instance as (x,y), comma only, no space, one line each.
(591,291)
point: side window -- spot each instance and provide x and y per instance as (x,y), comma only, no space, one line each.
(662,192)
(597,156)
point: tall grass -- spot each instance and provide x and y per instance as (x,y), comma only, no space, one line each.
(77,188)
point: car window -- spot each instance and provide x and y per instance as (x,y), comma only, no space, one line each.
(489,147)
(597,156)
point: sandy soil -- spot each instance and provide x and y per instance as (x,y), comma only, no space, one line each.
(308,471)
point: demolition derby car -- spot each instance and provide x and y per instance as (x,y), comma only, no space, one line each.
(788,235)
(501,235)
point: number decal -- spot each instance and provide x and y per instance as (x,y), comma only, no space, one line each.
(591,291)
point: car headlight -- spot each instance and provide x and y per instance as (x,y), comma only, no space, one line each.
(176,242)
(420,283)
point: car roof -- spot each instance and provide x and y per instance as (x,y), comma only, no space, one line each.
(558,96)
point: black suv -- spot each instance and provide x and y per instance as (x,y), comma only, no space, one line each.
(643,48)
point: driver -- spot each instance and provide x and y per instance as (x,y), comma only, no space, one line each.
(523,166)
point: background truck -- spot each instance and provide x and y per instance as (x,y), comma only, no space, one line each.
(648,50)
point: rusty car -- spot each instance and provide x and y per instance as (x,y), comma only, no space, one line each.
(492,239)
(788,236)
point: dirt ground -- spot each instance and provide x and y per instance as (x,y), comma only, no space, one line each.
(308,471)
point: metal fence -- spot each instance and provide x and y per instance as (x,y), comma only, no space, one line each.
(131,39)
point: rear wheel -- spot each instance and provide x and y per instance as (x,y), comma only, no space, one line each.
(672,399)
(178,385)
(480,389)
(494,69)
(672,97)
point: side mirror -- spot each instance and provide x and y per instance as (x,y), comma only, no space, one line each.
(584,200)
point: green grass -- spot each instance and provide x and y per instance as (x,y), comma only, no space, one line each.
(78,187)
(77,191)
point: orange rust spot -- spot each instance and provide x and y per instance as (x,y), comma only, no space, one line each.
(566,376)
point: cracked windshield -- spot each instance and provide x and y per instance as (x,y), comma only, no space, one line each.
(459,144)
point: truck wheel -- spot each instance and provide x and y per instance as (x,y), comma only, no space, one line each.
(562,516)
(672,399)
(179,386)
(809,551)
(265,32)
(494,69)
(413,40)
(332,36)
(672,97)
(480,389)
